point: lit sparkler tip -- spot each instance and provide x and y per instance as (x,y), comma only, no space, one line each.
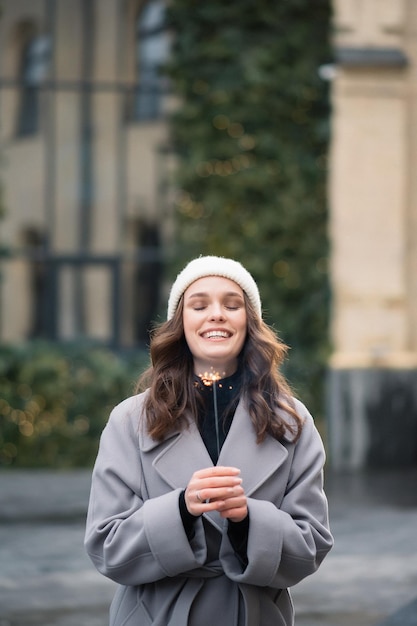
(208,378)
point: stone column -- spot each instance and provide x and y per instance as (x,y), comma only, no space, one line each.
(372,390)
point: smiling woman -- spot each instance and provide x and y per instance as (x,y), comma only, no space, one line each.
(217,451)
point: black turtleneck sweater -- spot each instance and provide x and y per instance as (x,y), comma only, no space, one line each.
(218,404)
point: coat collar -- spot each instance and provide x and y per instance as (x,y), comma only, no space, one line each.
(184,452)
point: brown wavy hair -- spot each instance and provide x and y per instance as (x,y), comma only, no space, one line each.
(172,393)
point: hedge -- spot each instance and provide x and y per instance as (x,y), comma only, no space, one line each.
(55,401)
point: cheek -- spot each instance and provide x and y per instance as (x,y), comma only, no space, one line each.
(244,325)
(189,325)
(186,321)
(242,340)
(243,331)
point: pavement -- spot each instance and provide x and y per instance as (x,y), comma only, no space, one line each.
(368,579)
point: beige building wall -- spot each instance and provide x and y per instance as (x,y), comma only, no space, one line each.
(373,229)
(125,167)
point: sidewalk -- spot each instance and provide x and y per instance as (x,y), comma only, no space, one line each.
(47,580)
(372,570)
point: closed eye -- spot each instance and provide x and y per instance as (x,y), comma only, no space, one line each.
(234,304)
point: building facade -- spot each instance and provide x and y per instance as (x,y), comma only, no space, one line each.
(84,164)
(373,232)
(85,169)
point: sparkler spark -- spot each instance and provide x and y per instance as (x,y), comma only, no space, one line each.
(209,378)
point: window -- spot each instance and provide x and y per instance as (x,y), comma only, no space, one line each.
(152,48)
(34,242)
(34,71)
(147,279)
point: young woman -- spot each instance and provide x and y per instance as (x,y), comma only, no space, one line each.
(207,498)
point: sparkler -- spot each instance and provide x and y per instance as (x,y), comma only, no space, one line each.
(210,379)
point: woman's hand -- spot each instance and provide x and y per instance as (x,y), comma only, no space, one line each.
(217,489)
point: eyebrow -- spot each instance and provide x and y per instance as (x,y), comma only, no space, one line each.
(203,294)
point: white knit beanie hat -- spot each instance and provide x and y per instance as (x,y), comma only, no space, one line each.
(213,266)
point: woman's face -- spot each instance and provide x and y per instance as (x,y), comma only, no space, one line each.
(214,318)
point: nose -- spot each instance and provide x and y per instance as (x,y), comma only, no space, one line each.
(217,312)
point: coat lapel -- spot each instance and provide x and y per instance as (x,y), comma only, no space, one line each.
(257,462)
(180,456)
(184,453)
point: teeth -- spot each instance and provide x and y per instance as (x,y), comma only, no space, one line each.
(216,333)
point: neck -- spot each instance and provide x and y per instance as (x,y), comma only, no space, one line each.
(214,372)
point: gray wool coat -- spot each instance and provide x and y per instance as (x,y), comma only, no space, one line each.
(135,534)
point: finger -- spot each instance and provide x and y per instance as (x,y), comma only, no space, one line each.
(206,495)
(214,488)
(234,501)
(234,509)
(224,484)
(235,515)
(194,501)
(225,494)
(216,470)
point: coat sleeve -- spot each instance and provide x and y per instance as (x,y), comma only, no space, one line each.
(131,539)
(287,541)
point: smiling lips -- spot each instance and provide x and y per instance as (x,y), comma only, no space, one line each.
(216,334)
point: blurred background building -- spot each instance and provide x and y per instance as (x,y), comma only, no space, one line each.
(373,233)
(83,145)
(88,224)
